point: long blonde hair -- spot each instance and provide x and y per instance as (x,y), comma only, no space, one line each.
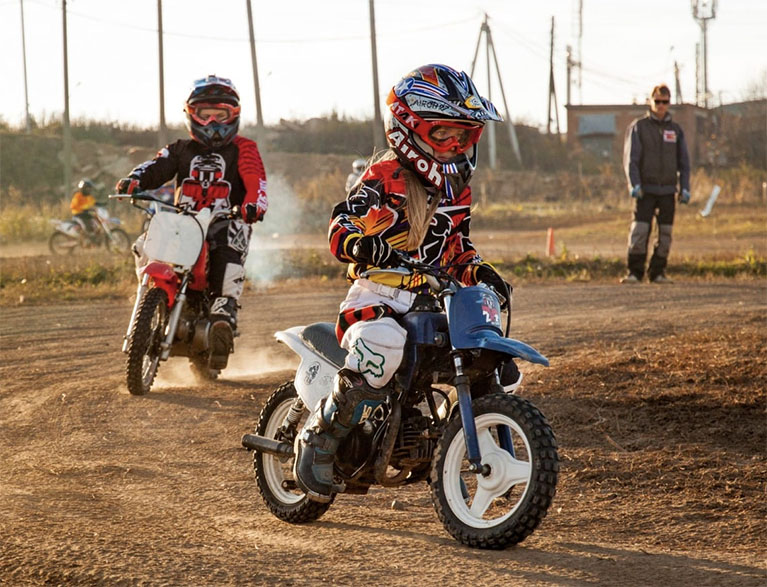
(418,209)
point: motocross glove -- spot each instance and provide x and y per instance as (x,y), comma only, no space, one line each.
(637,192)
(252,213)
(127,185)
(486,274)
(373,250)
(684,197)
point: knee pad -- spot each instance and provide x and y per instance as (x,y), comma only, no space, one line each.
(663,248)
(638,235)
(375,349)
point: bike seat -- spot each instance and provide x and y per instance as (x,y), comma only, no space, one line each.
(321,336)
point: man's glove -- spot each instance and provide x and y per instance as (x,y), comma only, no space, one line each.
(252,213)
(684,197)
(127,185)
(487,275)
(636,192)
(373,250)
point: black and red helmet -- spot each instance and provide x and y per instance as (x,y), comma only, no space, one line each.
(213,111)
(435,110)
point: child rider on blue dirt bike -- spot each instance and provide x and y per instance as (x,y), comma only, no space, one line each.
(414,199)
(218,169)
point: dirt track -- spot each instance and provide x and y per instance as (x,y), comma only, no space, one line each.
(656,394)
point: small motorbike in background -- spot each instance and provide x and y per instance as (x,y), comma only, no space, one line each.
(170,314)
(69,236)
(489,457)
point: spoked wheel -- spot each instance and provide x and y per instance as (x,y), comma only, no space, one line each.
(504,507)
(61,244)
(119,242)
(145,338)
(200,369)
(274,475)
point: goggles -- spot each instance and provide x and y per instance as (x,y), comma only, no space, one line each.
(443,135)
(205,113)
(440,135)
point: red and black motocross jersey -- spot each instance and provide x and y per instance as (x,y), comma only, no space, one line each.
(222,178)
(378,208)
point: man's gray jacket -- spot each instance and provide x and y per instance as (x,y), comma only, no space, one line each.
(655,155)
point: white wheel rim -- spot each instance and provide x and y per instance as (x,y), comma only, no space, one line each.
(507,473)
(274,469)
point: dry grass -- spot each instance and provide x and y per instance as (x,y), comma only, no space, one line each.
(679,422)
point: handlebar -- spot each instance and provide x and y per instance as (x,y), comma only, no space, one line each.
(235,212)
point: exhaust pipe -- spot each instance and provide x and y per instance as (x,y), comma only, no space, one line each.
(268,445)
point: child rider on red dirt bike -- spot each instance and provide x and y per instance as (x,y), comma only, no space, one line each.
(221,170)
(416,200)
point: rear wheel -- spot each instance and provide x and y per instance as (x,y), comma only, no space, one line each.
(118,242)
(274,475)
(146,336)
(61,244)
(505,506)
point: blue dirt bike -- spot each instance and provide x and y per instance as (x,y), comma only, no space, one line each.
(489,457)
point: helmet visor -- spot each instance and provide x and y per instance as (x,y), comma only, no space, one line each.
(205,113)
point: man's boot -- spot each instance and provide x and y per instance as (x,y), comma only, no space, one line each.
(223,318)
(351,402)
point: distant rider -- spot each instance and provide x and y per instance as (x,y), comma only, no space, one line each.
(415,199)
(82,206)
(217,169)
(358,166)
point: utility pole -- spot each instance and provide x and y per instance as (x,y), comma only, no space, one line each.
(27,124)
(678,84)
(66,131)
(485,29)
(552,90)
(703,12)
(163,134)
(378,140)
(577,60)
(259,116)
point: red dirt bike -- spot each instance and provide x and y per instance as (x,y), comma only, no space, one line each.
(170,315)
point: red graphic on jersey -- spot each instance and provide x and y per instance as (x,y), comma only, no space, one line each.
(205,185)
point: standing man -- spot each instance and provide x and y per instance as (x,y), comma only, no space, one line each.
(657,165)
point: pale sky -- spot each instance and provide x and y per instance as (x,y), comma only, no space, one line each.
(314,56)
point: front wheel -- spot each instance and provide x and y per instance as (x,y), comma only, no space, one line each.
(274,475)
(146,336)
(504,507)
(118,241)
(61,244)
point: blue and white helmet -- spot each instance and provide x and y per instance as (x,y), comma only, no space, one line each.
(425,100)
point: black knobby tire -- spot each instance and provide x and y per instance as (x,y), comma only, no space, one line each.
(288,504)
(145,338)
(119,241)
(61,244)
(513,511)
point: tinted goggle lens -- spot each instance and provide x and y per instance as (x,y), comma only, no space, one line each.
(205,114)
(447,136)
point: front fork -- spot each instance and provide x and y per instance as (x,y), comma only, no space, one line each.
(175,316)
(463,389)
